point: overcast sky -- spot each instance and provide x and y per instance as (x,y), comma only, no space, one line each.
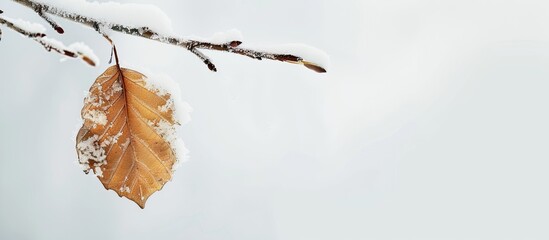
(431,123)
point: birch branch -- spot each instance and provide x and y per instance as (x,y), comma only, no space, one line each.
(192,45)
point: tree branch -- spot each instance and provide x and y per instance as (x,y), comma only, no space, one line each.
(48,43)
(191,45)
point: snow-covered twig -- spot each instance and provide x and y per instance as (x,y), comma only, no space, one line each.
(52,23)
(204,59)
(232,45)
(35,32)
(29,33)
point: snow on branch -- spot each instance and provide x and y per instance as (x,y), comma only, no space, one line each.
(149,22)
(52,23)
(36,32)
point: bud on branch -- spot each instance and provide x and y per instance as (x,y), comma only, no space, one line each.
(193,46)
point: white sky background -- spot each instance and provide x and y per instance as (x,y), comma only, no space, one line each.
(432,123)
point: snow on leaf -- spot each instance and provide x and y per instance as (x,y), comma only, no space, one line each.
(128,138)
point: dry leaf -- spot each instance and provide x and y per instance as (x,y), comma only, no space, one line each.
(128,135)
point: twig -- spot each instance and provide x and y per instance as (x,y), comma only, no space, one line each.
(204,59)
(52,23)
(191,45)
(48,44)
(20,30)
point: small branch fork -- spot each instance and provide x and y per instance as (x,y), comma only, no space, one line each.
(52,23)
(192,45)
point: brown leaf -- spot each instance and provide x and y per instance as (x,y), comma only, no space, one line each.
(127,135)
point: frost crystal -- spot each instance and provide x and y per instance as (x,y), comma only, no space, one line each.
(125,189)
(96,116)
(90,150)
(111,140)
(98,171)
(166,107)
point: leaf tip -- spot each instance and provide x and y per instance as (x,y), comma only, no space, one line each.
(141,205)
(139,200)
